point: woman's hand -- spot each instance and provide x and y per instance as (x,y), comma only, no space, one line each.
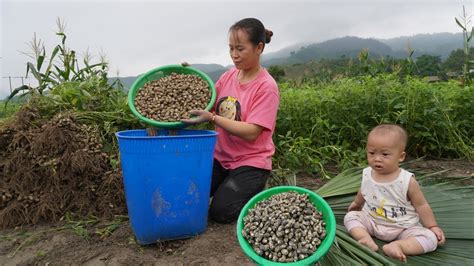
(200,116)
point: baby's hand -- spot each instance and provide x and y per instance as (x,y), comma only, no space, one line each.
(439,234)
(354,207)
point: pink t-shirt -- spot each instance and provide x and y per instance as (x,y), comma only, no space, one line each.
(255,102)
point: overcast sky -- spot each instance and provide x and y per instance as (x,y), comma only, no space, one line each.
(137,36)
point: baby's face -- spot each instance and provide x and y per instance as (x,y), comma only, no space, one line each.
(384,152)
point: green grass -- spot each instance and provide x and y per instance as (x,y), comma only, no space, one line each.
(7,111)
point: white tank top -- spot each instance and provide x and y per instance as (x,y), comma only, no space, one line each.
(388,203)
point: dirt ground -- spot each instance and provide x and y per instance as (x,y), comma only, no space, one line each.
(88,245)
(217,246)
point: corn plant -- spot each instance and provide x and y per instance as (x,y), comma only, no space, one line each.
(463,22)
(364,60)
(60,66)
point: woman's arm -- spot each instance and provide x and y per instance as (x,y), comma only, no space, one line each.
(244,130)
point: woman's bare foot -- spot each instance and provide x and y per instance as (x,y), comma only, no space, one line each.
(395,251)
(369,242)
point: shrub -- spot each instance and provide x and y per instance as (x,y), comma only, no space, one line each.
(331,120)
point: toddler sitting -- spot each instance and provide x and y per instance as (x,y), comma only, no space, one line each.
(390,204)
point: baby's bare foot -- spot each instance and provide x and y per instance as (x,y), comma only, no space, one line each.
(395,251)
(369,242)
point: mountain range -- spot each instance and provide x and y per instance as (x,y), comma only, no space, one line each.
(438,44)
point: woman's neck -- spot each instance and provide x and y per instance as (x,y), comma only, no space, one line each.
(245,76)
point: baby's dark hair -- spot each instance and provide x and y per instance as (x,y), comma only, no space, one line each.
(255,30)
(395,129)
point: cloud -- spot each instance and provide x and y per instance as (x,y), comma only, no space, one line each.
(138,36)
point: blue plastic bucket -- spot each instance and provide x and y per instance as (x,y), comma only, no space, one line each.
(167,180)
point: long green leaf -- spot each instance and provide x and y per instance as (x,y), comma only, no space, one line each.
(63,37)
(459,23)
(347,251)
(345,183)
(86,69)
(53,55)
(16,91)
(39,61)
(453,208)
(362,252)
(37,75)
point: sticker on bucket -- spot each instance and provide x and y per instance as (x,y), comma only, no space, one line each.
(159,204)
(193,191)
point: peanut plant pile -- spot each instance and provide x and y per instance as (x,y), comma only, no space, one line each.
(286,227)
(49,167)
(172,97)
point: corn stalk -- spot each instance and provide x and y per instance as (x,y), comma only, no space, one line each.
(62,65)
(464,22)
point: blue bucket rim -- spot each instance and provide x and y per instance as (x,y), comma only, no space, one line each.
(209,133)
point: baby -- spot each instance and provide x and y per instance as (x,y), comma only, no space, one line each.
(390,203)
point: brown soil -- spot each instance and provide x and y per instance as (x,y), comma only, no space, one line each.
(217,246)
(451,167)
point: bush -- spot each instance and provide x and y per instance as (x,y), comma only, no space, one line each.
(330,121)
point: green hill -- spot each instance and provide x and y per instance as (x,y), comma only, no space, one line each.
(438,44)
(435,44)
(346,46)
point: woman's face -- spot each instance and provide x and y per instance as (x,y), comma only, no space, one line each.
(243,53)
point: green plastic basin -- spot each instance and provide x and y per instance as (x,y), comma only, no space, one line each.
(159,73)
(319,203)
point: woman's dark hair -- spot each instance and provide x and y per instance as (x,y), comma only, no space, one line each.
(255,30)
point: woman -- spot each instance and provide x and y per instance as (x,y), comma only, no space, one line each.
(245,117)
